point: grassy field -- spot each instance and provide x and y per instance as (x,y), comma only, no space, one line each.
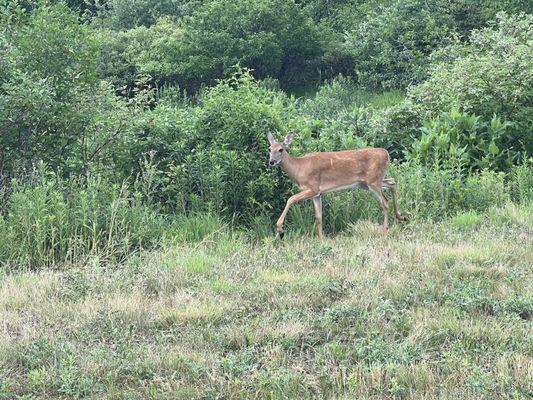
(433,311)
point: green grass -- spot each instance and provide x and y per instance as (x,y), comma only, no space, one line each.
(434,310)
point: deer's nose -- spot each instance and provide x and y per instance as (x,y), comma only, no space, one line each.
(271,162)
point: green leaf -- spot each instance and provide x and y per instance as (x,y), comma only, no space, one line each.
(493,149)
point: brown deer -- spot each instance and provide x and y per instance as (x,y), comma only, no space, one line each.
(319,173)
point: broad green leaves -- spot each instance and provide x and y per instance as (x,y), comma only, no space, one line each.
(492,75)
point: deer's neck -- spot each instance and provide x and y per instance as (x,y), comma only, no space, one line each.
(291,166)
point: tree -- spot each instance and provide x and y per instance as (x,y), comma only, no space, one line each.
(129,14)
(272,37)
(491,75)
(391,47)
(50,68)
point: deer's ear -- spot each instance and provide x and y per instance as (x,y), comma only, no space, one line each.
(288,139)
(271,137)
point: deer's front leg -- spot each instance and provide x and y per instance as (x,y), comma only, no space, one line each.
(303,195)
(317,202)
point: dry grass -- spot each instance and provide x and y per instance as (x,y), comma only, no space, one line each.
(431,311)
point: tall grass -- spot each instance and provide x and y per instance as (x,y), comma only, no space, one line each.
(55,221)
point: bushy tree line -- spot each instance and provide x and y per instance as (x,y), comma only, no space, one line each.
(272,37)
(382,44)
(103,105)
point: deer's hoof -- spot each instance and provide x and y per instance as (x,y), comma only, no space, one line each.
(281,234)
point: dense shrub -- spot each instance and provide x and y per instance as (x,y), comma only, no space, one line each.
(455,138)
(391,47)
(272,37)
(343,94)
(344,116)
(387,43)
(491,75)
(128,14)
(212,156)
(489,80)
(221,161)
(48,73)
(395,127)
(463,16)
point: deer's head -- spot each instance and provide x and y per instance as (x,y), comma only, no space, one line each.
(278,149)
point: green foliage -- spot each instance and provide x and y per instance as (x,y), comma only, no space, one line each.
(48,71)
(196,227)
(394,128)
(521,182)
(155,51)
(54,221)
(491,75)
(221,162)
(128,14)
(391,47)
(434,193)
(462,140)
(272,37)
(468,220)
(334,98)
(463,16)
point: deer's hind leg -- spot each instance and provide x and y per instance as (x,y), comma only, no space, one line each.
(378,192)
(391,185)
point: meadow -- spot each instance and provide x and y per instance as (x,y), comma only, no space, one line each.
(138,257)
(433,310)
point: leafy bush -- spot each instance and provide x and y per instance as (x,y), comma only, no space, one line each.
(463,16)
(455,138)
(50,71)
(391,47)
(394,128)
(128,14)
(220,162)
(491,75)
(272,37)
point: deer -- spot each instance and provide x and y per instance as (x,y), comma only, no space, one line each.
(324,172)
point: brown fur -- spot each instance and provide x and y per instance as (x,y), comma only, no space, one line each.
(319,173)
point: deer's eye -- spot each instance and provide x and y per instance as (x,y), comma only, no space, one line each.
(281,150)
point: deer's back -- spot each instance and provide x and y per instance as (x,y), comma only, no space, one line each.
(344,168)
